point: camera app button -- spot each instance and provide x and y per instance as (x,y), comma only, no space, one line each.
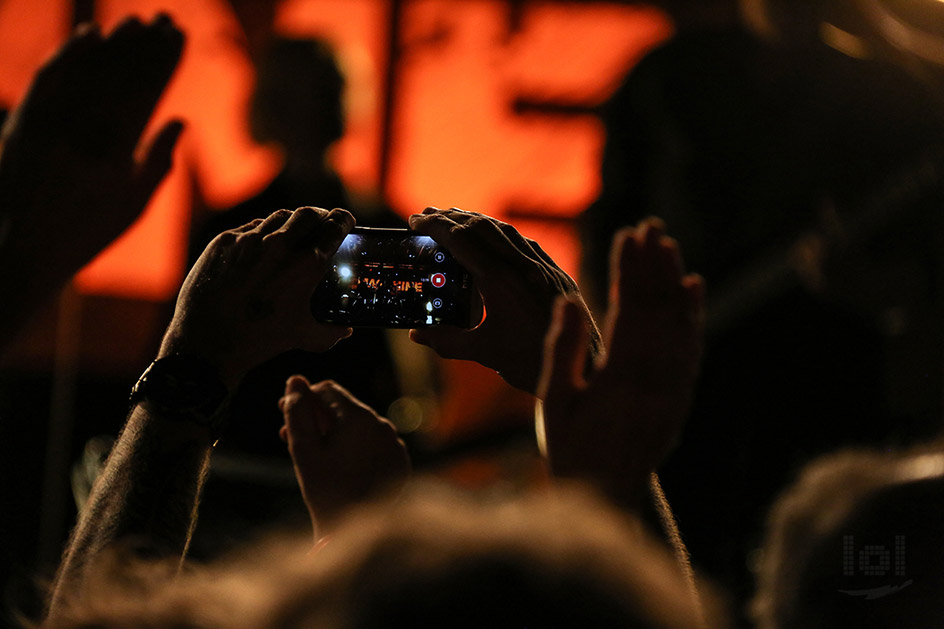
(438,280)
(439,256)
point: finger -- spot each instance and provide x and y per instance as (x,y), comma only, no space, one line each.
(650,230)
(306,269)
(670,260)
(480,246)
(449,341)
(628,274)
(519,252)
(85,37)
(272,222)
(162,20)
(624,255)
(656,276)
(242,229)
(72,58)
(565,352)
(348,408)
(130,28)
(296,384)
(694,286)
(336,396)
(320,337)
(521,243)
(300,226)
(543,255)
(304,416)
(138,62)
(154,48)
(507,243)
(157,162)
(331,231)
(121,54)
(229,237)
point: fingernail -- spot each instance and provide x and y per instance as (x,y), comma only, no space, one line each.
(295,384)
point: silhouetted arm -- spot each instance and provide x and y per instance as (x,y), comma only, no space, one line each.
(614,425)
(69,180)
(245,301)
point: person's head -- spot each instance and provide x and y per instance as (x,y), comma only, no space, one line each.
(857,541)
(298,99)
(436,560)
(433,559)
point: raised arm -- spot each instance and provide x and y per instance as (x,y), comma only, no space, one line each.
(245,300)
(520,285)
(613,422)
(70,181)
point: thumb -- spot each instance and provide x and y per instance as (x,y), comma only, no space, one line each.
(157,162)
(565,352)
(448,341)
(321,337)
(301,413)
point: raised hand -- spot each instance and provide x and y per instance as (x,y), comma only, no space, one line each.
(247,297)
(343,451)
(67,168)
(69,180)
(614,425)
(519,284)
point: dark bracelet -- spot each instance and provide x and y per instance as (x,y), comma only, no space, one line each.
(184,388)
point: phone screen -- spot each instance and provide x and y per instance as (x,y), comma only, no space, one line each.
(393,278)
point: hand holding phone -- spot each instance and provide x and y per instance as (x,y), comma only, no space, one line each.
(246,298)
(519,284)
(395,278)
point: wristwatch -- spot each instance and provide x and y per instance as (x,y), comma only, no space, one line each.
(183,387)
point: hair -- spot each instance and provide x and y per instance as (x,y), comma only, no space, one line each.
(430,559)
(823,527)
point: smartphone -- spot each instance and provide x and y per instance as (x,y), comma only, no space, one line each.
(394,278)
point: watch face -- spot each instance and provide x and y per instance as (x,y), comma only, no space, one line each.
(182,384)
(174,390)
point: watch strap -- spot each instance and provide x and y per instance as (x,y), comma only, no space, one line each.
(186,388)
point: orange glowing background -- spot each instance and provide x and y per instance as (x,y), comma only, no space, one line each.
(456,140)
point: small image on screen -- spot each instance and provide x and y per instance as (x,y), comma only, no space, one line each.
(393,278)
